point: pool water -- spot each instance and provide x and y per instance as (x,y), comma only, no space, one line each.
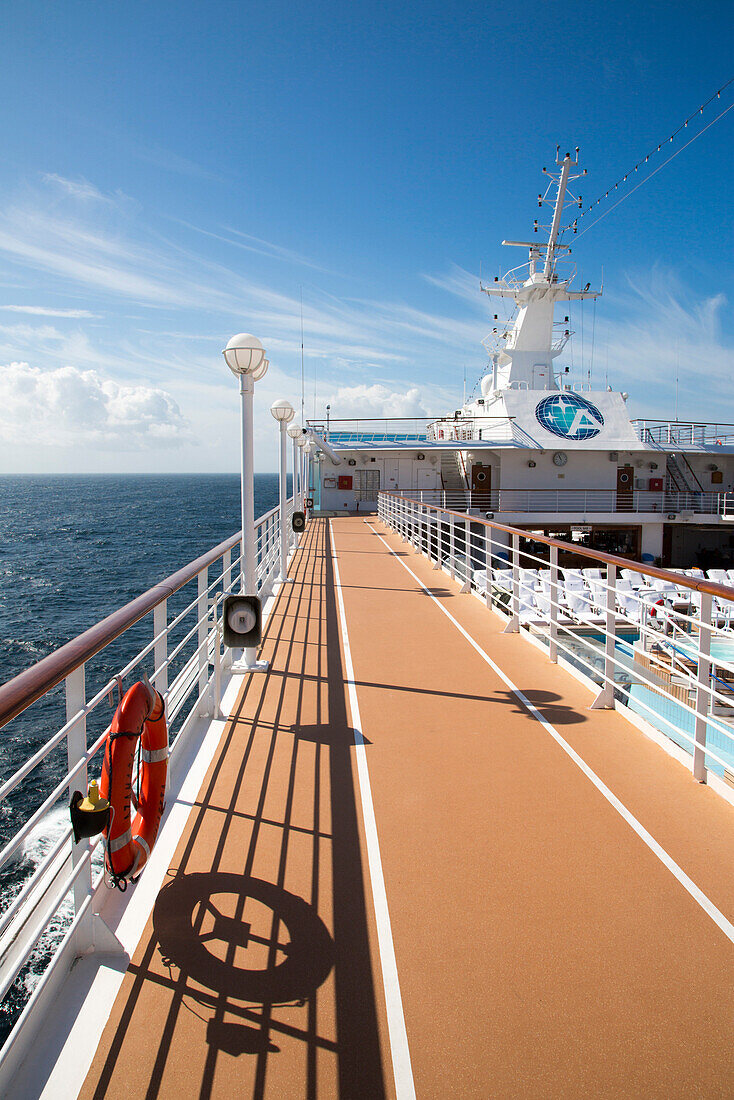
(665,714)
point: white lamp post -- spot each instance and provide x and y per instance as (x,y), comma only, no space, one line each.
(283,412)
(316,457)
(294,430)
(308,449)
(245,357)
(301,441)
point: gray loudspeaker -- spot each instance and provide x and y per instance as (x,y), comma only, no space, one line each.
(309,502)
(298,521)
(242,616)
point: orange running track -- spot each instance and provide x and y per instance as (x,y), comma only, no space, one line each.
(439,902)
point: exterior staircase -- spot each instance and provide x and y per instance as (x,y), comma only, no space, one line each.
(452,478)
(680,475)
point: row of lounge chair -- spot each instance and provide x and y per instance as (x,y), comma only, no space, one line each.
(582,593)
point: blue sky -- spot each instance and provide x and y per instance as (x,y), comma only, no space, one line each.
(171,174)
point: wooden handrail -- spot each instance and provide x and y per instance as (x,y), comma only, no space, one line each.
(723,591)
(25,688)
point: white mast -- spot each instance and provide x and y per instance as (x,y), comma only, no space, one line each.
(556,224)
(526,351)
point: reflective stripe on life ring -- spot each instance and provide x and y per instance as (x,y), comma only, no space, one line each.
(141,714)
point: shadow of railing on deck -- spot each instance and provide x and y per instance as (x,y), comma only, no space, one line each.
(243,946)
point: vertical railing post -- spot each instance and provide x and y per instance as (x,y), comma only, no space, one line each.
(452,548)
(554,601)
(489,555)
(605,698)
(226,570)
(487,566)
(202,613)
(76,747)
(216,708)
(439,528)
(160,649)
(703,685)
(513,626)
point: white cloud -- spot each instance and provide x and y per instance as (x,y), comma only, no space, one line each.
(46,311)
(376,401)
(71,407)
(662,331)
(81,189)
(256,245)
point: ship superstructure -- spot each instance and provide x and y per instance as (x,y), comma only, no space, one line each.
(540,448)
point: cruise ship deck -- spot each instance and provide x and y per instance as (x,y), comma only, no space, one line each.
(419,864)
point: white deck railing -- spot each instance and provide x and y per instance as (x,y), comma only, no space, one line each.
(678,433)
(657,644)
(666,504)
(183,658)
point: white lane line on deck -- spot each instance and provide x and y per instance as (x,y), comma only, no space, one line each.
(402,1069)
(695,892)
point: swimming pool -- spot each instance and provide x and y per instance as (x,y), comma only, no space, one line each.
(586,649)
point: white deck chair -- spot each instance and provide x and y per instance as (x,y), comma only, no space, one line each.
(628,602)
(721,610)
(479,579)
(578,599)
(718,576)
(599,594)
(543,599)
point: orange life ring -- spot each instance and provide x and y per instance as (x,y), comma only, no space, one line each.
(658,603)
(128,846)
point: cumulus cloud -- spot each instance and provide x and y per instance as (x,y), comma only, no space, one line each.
(71,407)
(376,401)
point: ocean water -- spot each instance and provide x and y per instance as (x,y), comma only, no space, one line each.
(72,550)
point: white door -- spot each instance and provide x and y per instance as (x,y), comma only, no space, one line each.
(540,376)
(391,474)
(405,473)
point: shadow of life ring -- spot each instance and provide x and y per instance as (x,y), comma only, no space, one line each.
(186,920)
(140,717)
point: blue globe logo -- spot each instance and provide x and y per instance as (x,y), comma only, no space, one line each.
(569,416)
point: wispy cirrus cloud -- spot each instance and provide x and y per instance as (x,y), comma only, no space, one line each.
(47,311)
(659,336)
(259,247)
(81,190)
(104,250)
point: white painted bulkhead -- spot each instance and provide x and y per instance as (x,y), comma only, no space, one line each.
(395,470)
